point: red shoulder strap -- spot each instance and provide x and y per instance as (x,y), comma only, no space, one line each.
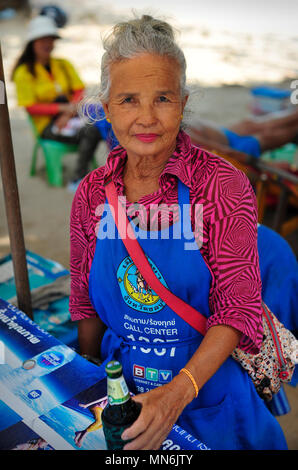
(184,310)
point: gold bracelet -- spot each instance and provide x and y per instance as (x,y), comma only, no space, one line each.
(189,375)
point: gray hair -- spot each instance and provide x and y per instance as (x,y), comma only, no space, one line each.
(138,36)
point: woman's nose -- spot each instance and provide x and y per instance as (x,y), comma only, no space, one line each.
(146,115)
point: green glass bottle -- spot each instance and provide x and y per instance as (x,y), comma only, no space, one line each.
(121,411)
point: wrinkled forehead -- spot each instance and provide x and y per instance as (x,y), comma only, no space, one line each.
(145,70)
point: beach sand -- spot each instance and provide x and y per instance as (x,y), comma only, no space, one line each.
(45,210)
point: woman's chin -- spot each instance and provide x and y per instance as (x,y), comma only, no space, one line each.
(156,147)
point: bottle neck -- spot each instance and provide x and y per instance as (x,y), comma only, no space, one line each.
(118,392)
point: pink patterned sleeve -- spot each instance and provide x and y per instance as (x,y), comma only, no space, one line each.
(80,306)
(235,297)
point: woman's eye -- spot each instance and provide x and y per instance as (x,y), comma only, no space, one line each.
(127,100)
(163,99)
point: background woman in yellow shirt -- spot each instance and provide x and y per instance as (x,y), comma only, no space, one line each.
(50,88)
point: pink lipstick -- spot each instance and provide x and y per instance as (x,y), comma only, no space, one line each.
(146,137)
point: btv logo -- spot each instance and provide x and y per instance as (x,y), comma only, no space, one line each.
(165,375)
(151,374)
(154,375)
(139,371)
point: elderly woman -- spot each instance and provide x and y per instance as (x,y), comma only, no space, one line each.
(143,93)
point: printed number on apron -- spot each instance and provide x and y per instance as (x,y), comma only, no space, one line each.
(159,352)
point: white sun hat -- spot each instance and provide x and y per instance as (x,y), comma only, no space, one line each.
(41,26)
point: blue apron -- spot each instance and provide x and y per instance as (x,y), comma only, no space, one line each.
(153,343)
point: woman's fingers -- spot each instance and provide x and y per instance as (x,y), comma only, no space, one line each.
(148,434)
(154,423)
(141,423)
(61,121)
(151,439)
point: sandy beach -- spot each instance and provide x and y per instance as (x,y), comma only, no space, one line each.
(222,95)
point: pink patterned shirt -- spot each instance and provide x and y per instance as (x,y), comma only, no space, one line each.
(229,235)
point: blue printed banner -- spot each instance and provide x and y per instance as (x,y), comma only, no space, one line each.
(51,397)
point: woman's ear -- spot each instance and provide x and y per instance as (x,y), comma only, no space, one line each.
(106,109)
(184,101)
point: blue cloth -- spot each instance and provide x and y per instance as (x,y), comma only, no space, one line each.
(279,274)
(153,343)
(270,92)
(279,405)
(107,133)
(243,143)
(96,113)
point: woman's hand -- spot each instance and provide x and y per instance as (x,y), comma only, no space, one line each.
(67,110)
(161,408)
(62,121)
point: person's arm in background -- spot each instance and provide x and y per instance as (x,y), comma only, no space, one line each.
(221,149)
(51,109)
(90,334)
(56,108)
(63,111)
(66,110)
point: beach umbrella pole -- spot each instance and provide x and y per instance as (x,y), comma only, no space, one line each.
(12,203)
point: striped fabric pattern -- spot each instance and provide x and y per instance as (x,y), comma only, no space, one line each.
(228,235)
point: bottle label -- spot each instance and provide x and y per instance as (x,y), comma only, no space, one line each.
(118,392)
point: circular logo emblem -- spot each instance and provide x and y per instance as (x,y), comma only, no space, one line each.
(135,291)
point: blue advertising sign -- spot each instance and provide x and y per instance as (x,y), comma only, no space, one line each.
(51,397)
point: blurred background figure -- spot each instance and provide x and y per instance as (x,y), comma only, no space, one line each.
(56,13)
(50,89)
(252,136)
(9,8)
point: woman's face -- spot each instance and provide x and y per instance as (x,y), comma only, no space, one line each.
(43,48)
(145,104)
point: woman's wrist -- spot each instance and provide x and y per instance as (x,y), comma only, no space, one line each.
(68,108)
(184,389)
(62,107)
(192,379)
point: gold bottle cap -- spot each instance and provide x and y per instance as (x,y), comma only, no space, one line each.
(29,364)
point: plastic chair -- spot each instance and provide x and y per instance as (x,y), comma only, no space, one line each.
(53,152)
